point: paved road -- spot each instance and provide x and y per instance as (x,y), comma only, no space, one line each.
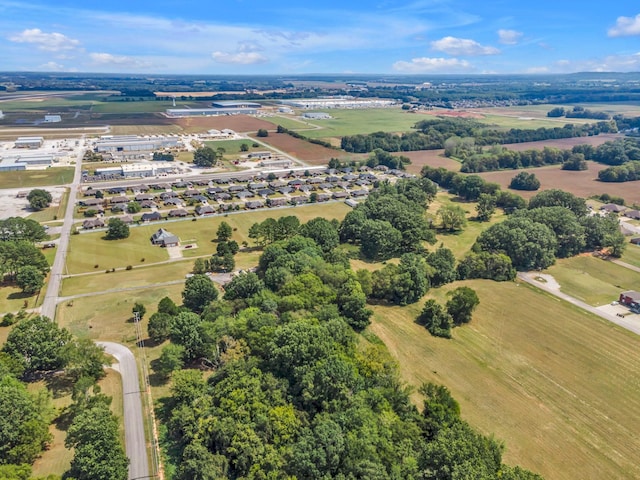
(552,287)
(135,442)
(48,308)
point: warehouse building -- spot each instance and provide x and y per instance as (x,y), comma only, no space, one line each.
(134,143)
(316,115)
(29,142)
(339,102)
(211,112)
(25,161)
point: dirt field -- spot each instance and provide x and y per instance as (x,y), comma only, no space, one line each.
(582,184)
(564,143)
(433,158)
(305,151)
(238,123)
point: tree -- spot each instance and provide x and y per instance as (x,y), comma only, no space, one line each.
(224,232)
(198,292)
(30,279)
(204,157)
(525,181)
(159,327)
(379,240)
(443,263)
(321,231)
(352,303)
(435,319)
(244,286)
(18,228)
(462,301)
(199,266)
(83,358)
(98,455)
(24,424)
(138,310)
(170,360)
(486,207)
(244,147)
(262,133)
(440,409)
(575,161)
(39,199)
(559,198)
(185,331)
(133,207)
(168,306)
(38,343)
(117,229)
(452,218)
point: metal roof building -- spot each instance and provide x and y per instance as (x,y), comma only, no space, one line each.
(132,143)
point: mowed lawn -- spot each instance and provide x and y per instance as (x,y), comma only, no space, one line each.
(353,122)
(557,385)
(37,178)
(90,249)
(593,280)
(631,255)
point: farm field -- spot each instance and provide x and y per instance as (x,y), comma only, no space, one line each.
(89,249)
(292,123)
(433,158)
(237,123)
(583,184)
(353,122)
(309,153)
(593,280)
(36,178)
(535,371)
(630,109)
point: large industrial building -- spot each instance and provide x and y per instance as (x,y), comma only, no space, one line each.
(134,143)
(338,102)
(138,169)
(25,161)
(217,108)
(29,142)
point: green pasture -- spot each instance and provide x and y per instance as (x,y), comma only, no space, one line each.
(353,122)
(631,255)
(36,178)
(535,371)
(293,123)
(232,147)
(593,280)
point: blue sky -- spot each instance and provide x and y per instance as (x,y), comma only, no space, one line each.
(287,37)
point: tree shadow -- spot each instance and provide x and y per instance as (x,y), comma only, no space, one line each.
(63,421)
(19,295)
(58,384)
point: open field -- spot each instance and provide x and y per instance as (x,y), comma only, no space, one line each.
(232,147)
(593,280)
(144,129)
(12,299)
(293,123)
(307,152)
(237,123)
(36,178)
(54,211)
(631,255)
(433,158)
(630,109)
(353,122)
(89,249)
(563,143)
(550,381)
(583,184)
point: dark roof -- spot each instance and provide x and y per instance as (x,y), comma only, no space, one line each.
(254,204)
(163,237)
(178,212)
(204,209)
(151,216)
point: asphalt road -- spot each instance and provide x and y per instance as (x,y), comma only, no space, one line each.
(135,442)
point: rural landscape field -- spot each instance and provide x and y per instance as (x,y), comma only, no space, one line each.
(270,278)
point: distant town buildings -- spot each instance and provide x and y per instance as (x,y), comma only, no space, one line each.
(217,108)
(339,102)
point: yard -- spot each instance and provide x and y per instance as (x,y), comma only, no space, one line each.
(36,178)
(549,380)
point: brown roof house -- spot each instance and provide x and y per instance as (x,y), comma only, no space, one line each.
(165,238)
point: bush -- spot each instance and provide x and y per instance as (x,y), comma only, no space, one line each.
(525,181)
(129,267)
(8,319)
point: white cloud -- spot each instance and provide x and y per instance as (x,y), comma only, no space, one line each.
(462,46)
(626,27)
(239,58)
(509,37)
(50,42)
(53,66)
(428,65)
(610,63)
(118,60)
(537,70)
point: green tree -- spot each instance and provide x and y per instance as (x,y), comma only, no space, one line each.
(262,133)
(321,231)
(39,199)
(117,229)
(440,409)
(170,360)
(98,454)
(559,198)
(16,472)
(38,343)
(198,463)
(83,358)
(224,232)
(486,207)
(244,147)
(199,266)
(18,228)
(525,181)
(159,327)
(133,207)
(435,319)
(443,263)
(352,303)
(198,292)
(452,218)
(204,157)
(185,331)
(139,309)
(379,240)
(462,301)
(168,306)
(244,285)
(30,279)
(24,424)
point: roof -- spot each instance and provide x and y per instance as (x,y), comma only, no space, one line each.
(164,236)
(632,294)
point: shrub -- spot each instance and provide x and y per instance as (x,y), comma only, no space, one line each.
(129,267)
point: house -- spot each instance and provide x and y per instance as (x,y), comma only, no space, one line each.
(205,210)
(338,195)
(277,202)
(176,202)
(192,192)
(323,197)
(128,219)
(223,196)
(116,190)
(297,200)
(167,195)
(148,204)
(612,207)
(141,197)
(92,223)
(360,193)
(296,183)
(118,207)
(91,202)
(285,190)
(252,205)
(635,241)
(307,188)
(245,194)
(178,212)
(351,203)
(164,238)
(151,217)
(265,192)
(214,190)
(236,188)
(634,214)
(631,299)
(119,199)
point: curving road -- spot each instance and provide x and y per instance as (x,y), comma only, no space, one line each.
(135,442)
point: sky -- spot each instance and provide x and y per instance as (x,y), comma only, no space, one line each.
(331,37)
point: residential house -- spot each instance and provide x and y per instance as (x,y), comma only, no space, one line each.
(151,217)
(141,197)
(178,212)
(119,199)
(205,210)
(148,204)
(634,214)
(164,238)
(277,202)
(612,207)
(252,205)
(92,223)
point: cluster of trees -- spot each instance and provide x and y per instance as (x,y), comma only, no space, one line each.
(556,225)
(296,393)
(299,136)
(501,158)
(628,172)
(577,112)
(439,320)
(163,156)
(615,152)
(392,220)
(21,261)
(39,199)
(434,133)
(117,230)
(272,230)
(381,157)
(38,346)
(223,260)
(207,157)
(525,181)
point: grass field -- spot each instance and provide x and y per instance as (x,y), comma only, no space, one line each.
(353,122)
(555,384)
(593,280)
(36,178)
(145,129)
(54,212)
(232,147)
(89,249)
(12,299)
(631,255)
(293,123)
